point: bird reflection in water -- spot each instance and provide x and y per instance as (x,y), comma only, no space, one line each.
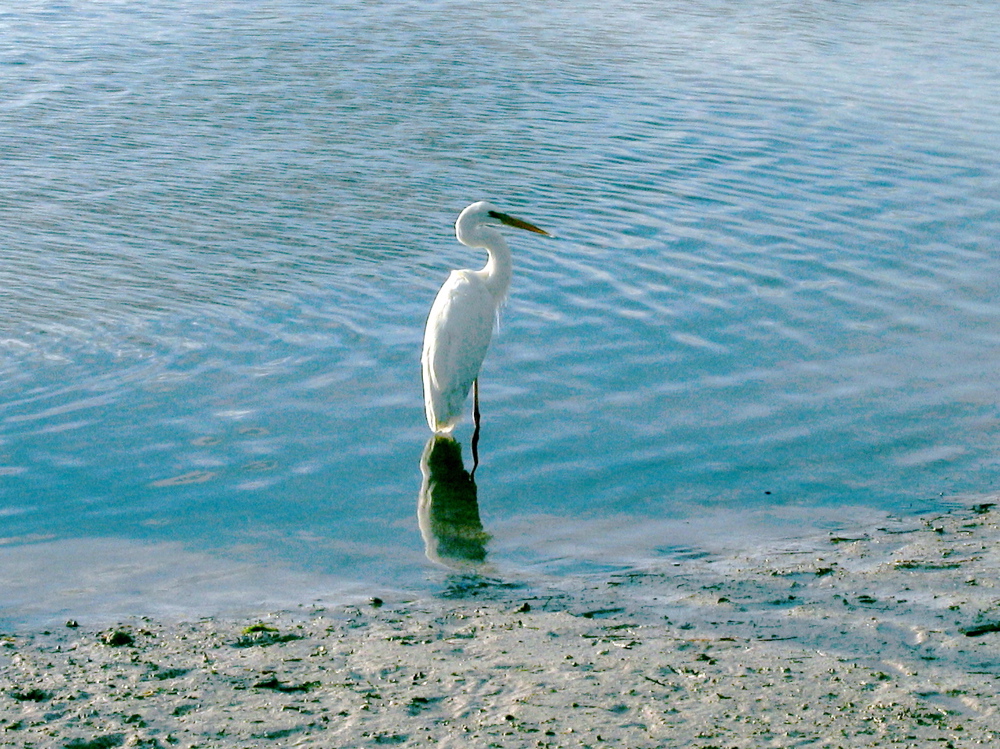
(448,510)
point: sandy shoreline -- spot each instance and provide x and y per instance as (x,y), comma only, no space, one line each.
(884,637)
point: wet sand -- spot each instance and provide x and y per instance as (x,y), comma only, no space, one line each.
(887,636)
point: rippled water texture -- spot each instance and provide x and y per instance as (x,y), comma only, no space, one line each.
(774,287)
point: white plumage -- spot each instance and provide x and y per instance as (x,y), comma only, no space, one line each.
(461,321)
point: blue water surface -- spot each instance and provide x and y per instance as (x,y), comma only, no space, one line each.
(774,286)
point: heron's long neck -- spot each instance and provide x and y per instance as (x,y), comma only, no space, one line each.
(497,272)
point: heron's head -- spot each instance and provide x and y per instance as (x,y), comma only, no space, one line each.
(483,214)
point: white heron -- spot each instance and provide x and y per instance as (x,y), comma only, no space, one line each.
(461,320)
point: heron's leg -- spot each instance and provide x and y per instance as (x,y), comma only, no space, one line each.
(475,433)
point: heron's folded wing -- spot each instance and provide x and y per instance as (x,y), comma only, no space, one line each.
(458,334)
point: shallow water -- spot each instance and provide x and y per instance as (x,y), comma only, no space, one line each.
(774,287)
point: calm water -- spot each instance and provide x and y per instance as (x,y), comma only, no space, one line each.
(775,286)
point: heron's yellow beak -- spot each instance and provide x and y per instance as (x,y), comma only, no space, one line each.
(517,223)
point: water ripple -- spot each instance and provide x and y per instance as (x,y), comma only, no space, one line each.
(775,277)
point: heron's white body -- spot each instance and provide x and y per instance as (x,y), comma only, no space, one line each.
(461,321)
